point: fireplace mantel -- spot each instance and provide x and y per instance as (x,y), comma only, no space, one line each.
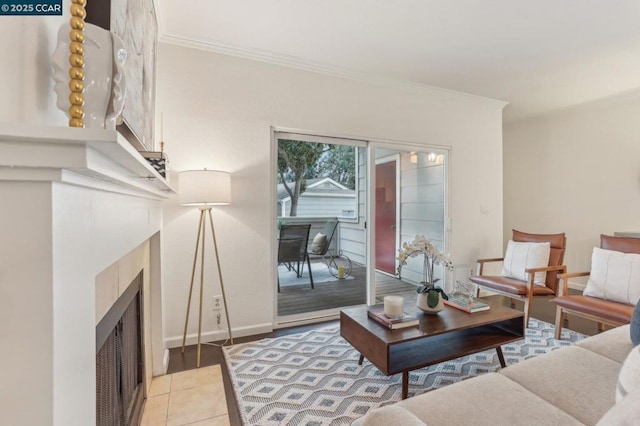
(93,158)
(79,207)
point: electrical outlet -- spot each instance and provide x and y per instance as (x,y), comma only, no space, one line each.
(217,302)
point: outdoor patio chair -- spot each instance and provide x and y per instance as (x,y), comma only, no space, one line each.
(292,249)
(525,273)
(610,299)
(321,248)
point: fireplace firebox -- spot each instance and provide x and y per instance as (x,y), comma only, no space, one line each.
(120,360)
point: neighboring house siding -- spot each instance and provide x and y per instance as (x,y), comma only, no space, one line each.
(316,205)
(421,209)
(322,197)
(352,234)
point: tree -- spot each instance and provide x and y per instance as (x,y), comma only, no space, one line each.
(339,163)
(297,160)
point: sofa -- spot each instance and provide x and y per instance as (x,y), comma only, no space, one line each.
(573,385)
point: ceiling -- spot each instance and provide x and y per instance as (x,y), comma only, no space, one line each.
(537,55)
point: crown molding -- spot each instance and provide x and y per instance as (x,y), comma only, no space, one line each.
(307,65)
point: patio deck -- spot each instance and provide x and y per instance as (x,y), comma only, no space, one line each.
(336,294)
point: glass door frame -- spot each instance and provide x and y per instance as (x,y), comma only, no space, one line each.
(327,314)
(369,232)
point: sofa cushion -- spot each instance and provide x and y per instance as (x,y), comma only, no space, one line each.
(624,413)
(388,415)
(520,256)
(572,378)
(489,399)
(614,276)
(635,326)
(613,344)
(629,378)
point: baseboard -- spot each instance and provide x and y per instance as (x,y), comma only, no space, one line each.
(306,320)
(218,335)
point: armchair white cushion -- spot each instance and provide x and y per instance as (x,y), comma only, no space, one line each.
(520,256)
(614,276)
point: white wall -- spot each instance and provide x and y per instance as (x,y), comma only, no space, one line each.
(575,171)
(218,112)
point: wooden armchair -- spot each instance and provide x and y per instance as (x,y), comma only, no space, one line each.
(600,310)
(527,290)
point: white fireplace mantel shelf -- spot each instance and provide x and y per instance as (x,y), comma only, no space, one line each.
(93,158)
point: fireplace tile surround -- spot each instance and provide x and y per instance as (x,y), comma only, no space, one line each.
(81,217)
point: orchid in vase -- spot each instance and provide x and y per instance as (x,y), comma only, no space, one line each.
(421,246)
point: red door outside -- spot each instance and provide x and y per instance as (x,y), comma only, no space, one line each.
(386,217)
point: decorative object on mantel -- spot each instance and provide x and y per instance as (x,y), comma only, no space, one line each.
(76,60)
(135,23)
(204,188)
(94,97)
(430,297)
(158,159)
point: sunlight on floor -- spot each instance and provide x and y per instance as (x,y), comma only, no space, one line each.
(192,397)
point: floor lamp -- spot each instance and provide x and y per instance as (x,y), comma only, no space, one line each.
(204,188)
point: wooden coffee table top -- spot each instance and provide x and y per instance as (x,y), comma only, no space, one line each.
(445,321)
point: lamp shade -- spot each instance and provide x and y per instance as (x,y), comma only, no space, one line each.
(204,187)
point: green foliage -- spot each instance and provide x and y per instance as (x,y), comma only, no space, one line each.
(295,160)
(433,293)
(339,163)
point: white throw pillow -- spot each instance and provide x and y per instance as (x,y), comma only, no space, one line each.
(614,276)
(319,243)
(520,256)
(629,378)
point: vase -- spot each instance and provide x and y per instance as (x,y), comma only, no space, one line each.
(424,306)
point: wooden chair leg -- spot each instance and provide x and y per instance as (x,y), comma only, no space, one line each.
(600,327)
(559,322)
(527,303)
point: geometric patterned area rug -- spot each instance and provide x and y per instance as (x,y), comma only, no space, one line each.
(314,379)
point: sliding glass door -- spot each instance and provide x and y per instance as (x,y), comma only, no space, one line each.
(321,191)
(410,200)
(338,231)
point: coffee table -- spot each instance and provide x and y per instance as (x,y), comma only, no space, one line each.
(450,334)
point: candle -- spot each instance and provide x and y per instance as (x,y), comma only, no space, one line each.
(393,306)
(341,272)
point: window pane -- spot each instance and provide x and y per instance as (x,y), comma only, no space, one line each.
(316,179)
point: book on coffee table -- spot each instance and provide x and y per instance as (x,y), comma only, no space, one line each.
(377,314)
(476,305)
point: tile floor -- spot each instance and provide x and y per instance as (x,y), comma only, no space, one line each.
(192,397)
